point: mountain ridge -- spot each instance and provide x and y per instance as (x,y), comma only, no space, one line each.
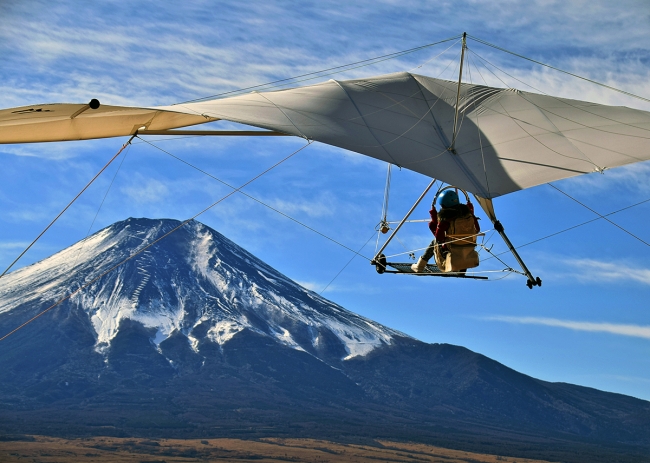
(195,337)
(248,293)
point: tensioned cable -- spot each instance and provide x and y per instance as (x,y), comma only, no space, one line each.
(384,209)
(437,56)
(411,253)
(540,109)
(563,101)
(572,227)
(478,126)
(83,245)
(405,98)
(361,116)
(253,198)
(398,103)
(430,110)
(451,241)
(599,215)
(395,103)
(517,121)
(69,204)
(144,248)
(558,69)
(366,62)
(348,263)
(508,268)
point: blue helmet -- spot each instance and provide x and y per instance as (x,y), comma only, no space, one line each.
(448,198)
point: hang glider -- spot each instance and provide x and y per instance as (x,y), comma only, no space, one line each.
(485,140)
(508,139)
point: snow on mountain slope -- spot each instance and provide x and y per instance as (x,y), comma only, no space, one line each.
(194,278)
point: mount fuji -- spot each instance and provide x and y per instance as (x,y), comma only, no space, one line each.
(196,337)
(197,281)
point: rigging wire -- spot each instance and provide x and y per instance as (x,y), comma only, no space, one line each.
(83,245)
(598,168)
(341,69)
(362,63)
(508,268)
(481,147)
(451,241)
(437,56)
(395,103)
(253,198)
(69,204)
(383,226)
(478,128)
(573,227)
(558,69)
(411,254)
(521,122)
(348,263)
(599,215)
(144,248)
(563,101)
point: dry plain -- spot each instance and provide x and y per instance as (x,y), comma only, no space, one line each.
(108,449)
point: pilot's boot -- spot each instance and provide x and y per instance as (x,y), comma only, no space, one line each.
(420,266)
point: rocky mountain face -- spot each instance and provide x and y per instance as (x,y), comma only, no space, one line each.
(195,337)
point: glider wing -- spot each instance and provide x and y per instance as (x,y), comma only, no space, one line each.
(63,122)
(507,139)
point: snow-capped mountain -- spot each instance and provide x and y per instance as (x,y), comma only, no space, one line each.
(196,337)
(193,278)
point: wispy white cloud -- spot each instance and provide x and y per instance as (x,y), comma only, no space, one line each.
(634,178)
(9,250)
(312,285)
(31,215)
(614,270)
(317,287)
(149,191)
(639,331)
(87,51)
(321,206)
(45,151)
(592,270)
(13,245)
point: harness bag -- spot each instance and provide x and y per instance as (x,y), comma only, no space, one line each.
(461,241)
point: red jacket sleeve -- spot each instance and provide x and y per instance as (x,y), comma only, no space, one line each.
(439,229)
(433,223)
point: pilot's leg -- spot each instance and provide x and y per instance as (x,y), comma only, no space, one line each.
(424,260)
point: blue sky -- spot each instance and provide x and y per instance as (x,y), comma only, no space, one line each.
(590,322)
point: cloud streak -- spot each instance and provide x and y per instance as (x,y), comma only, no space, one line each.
(637,331)
(115,55)
(591,270)
(326,289)
(634,178)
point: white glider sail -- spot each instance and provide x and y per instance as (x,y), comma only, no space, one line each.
(508,139)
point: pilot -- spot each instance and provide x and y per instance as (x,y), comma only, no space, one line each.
(453,218)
